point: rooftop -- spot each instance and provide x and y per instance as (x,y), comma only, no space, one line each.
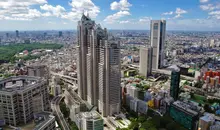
(93,115)
(19,83)
(188,107)
(42,118)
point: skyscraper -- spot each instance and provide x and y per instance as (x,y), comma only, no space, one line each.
(95,36)
(60,33)
(17,33)
(145,61)
(109,78)
(174,84)
(84,26)
(98,67)
(157,36)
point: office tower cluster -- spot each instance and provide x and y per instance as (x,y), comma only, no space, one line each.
(98,67)
(21,97)
(153,57)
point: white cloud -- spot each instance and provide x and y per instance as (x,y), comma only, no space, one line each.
(215,14)
(179,12)
(55,10)
(145,19)
(20,9)
(177,16)
(23,9)
(204,1)
(168,13)
(113,18)
(51,22)
(124,22)
(210,7)
(80,6)
(121,5)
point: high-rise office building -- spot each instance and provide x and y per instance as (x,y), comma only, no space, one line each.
(17,33)
(98,67)
(7,35)
(109,78)
(157,38)
(145,61)
(60,33)
(174,84)
(89,36)
(84,26)
(93,59)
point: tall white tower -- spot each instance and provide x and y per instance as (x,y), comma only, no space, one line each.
(157,36)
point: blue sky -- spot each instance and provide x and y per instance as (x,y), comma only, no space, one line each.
(199,15)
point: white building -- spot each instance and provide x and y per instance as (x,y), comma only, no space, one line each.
(157,36)
(145,61)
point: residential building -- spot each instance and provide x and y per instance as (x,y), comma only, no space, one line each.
(205,122)
(145,61)
(89,121)
(109,78)
(38,70)
(157,38)
(21,97)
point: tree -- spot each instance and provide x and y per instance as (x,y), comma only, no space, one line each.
(156,121)
(164,121)
(147,124)
(141,118)
(133,125)
(207,108)
(171,126)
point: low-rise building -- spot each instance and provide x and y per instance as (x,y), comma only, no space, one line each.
(89,121)
(44,121)
(186,113)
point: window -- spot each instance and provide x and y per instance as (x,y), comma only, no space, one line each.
(156,26)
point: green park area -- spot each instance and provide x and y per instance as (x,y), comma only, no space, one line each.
(198,98)
(7,52)
(151,121)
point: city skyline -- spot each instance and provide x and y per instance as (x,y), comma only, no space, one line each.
(199,15)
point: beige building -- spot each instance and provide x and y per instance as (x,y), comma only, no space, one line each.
(145,61)
(21,97)
(109,79)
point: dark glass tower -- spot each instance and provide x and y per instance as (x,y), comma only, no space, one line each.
(174,84)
